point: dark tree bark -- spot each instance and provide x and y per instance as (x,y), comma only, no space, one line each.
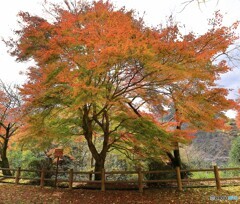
(176,151)
(87,126)
(99,165)
(174,158)
(5,162)
(177,157)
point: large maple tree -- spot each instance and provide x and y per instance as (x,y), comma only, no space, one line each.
(97,66)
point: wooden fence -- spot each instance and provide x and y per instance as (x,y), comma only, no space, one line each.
(140,181)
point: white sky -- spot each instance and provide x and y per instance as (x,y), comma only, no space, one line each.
(193,17)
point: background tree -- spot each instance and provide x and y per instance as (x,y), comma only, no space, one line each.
(235,152)
(238,111)
(10,107)
(194,99)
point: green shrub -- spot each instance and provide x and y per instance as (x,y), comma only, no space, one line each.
(158,165)
(235,152)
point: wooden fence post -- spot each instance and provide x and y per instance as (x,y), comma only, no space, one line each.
(42,178)
(70,179)
(103,180)
(18,175)
(217,177)
(179,180)
(140,180)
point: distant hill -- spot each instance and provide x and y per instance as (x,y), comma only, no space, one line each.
(209,148)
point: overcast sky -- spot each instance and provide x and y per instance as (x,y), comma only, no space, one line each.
(193,17)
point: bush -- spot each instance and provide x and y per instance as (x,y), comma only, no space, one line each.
(157,165)
(235,152)
(39,164)
(234,155)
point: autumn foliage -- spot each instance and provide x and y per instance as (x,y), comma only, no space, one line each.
(10,111)
(100,69)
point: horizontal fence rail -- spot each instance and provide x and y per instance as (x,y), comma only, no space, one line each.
(103,181)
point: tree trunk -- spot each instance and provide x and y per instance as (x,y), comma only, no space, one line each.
(5,164)
(176,152)
(177,158)
(99,165)
(87,126)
